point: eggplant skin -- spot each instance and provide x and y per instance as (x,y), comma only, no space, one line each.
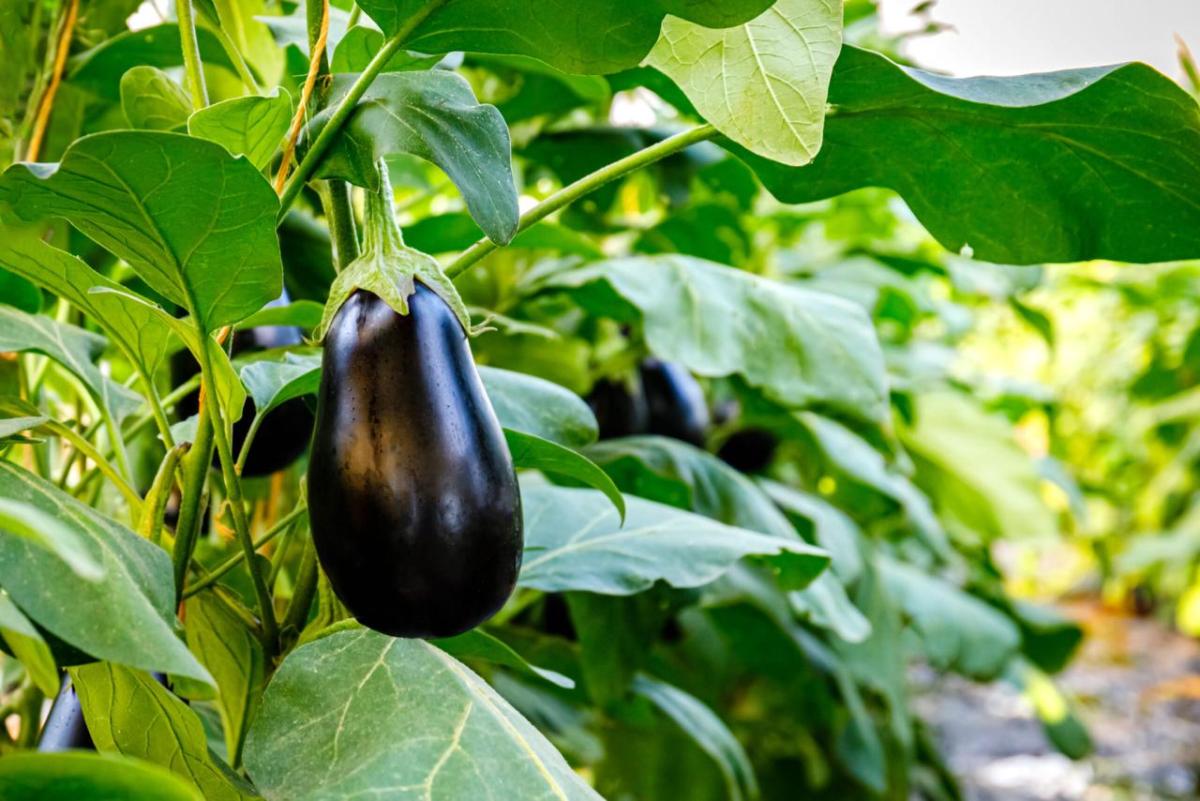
(676,402)
(619,412)
(64,729)
(750,450)
(412,495)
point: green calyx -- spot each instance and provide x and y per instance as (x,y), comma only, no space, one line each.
(387,267)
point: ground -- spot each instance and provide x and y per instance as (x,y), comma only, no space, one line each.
(1138,687)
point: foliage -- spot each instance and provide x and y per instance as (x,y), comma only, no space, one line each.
(680,630)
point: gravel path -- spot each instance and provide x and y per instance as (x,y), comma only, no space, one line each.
(1138,688)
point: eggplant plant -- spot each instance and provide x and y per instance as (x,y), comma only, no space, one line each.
(450,585)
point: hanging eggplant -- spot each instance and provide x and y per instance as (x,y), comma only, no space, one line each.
(412,495)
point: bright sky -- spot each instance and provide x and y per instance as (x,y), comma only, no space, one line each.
(1009,37)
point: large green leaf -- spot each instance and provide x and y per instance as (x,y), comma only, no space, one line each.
(19,519)
(708,731)
(245,126)
(800,347)
(574,540)
(681,475)
(80,776)
(1065,166)
(197,224)
(951,437)
(960,632)
(579,36)
(136,329)
(535,406)
(137,586)
(128,711)
(73,348)
(477,644)
(358,714)
(764,83)
(433,115)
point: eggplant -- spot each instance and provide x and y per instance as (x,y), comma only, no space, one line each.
(412,494)
(750,450)
(284,434)
(64,728)
(675,401)
(619,412)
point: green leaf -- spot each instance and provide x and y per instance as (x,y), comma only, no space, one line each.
(152,101)
(533,452)
(395,718)
(1103,159)
(360,44)
(681,475)
(73,348)
(80,776)
(128,711)
(27,645)
(245,126)
(708,731)
(137,587)
(751,82)
(234,657)
(271,383)
(580,36)
(197,224)
(11,426)
(99,70)
(240,19)
(18,519)
(433,115)
(477,644)
(616,635)
(857,461)
(800,347)
(951,437)
(136,330)
(574,540)
(831,528)
(299,313)
(542,408)
(959,632)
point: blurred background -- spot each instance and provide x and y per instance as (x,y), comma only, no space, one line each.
(1098,366)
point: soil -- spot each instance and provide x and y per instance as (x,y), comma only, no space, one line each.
(1137,686)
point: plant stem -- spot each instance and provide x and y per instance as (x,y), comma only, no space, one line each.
(244,453)
(193,74)
(215,575)
(157,412)
(195,472)
(588,183)
(87,449)
(237,59)
(233,488)
(315,61)
(305,588)
(352,20)
(42,120)
(339,211)
(308,165)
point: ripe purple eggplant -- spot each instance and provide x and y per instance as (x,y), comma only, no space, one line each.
(412,494)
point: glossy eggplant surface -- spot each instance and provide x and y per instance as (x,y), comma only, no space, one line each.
(413,499)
